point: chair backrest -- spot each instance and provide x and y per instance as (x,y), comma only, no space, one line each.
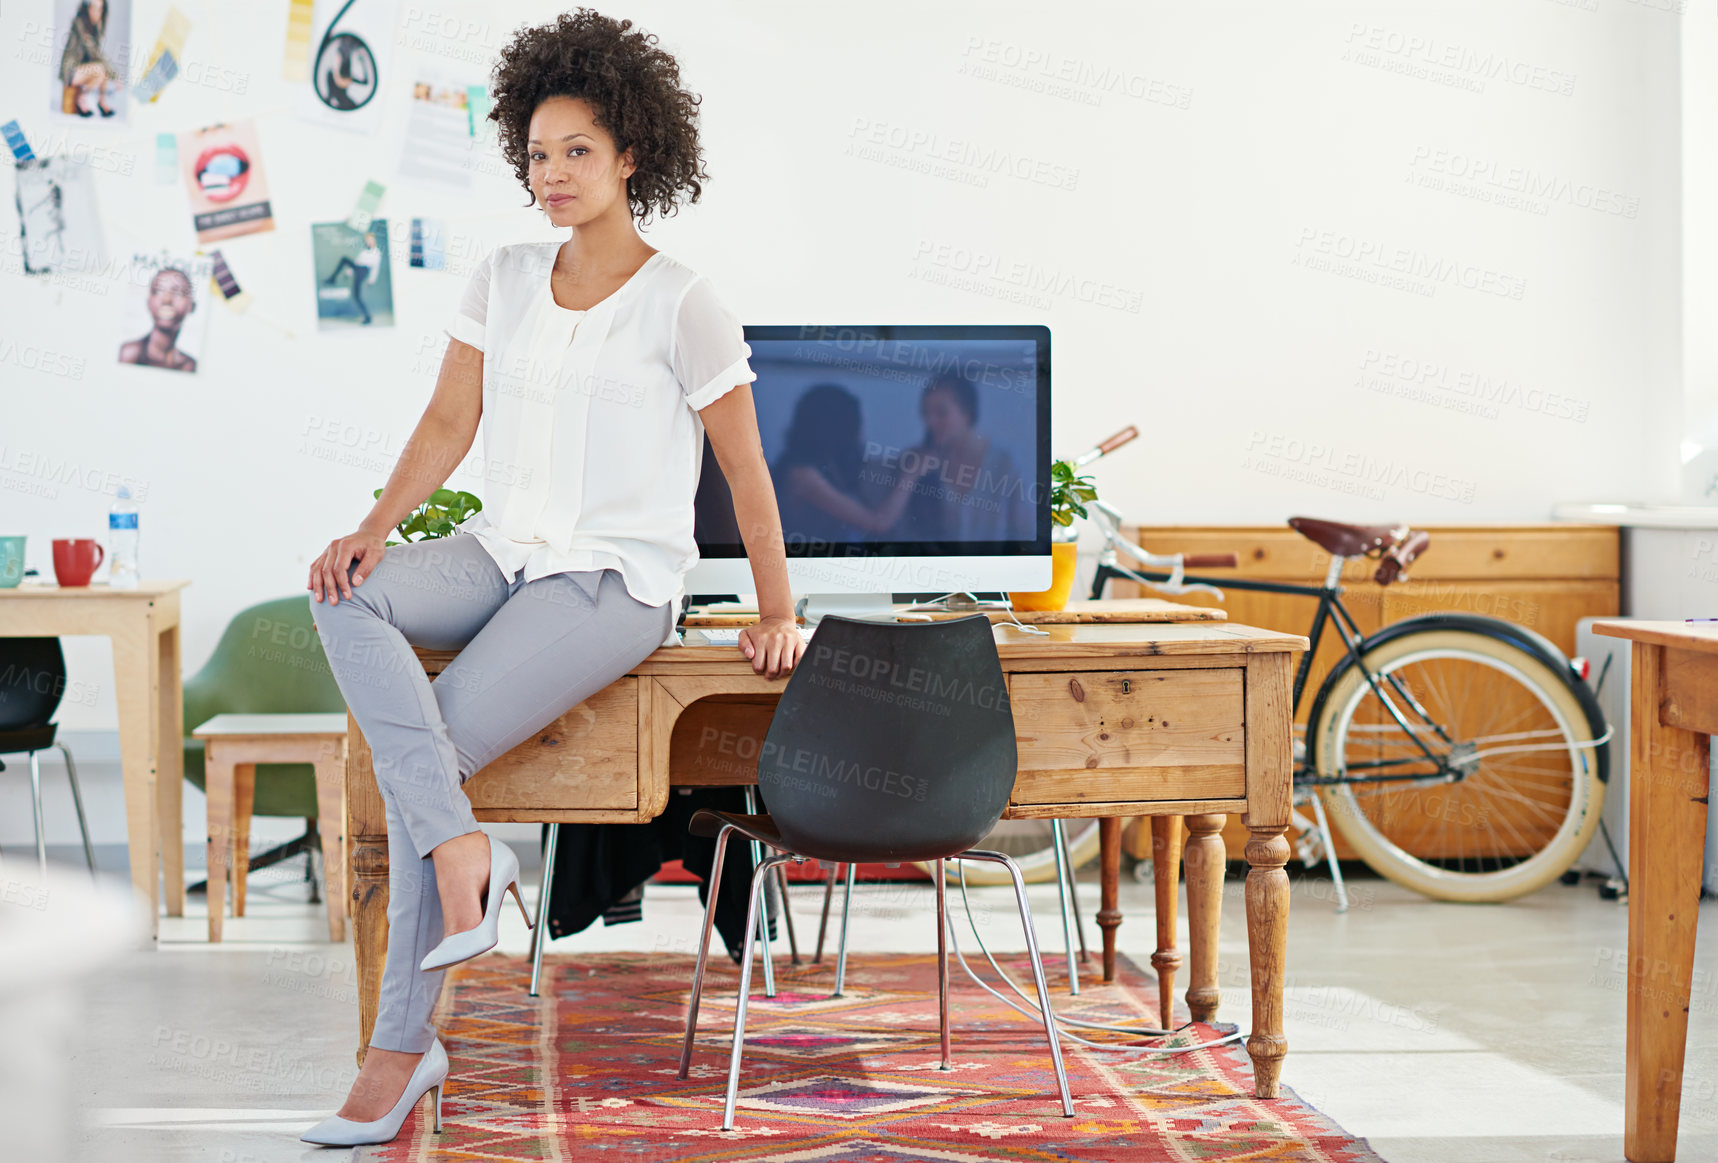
(32,681)
(269,660)
(891,742)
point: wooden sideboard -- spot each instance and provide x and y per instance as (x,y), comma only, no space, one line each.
(1112,721)
(1546,577)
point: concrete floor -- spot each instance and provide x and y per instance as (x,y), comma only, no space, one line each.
(1442,1033)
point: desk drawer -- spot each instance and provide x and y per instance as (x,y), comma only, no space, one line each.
(586,759)
(1109,736)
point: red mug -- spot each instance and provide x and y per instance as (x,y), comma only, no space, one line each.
(75,559)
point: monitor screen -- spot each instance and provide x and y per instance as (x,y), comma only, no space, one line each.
(896,441)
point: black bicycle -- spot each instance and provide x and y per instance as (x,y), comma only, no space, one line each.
(1461,755)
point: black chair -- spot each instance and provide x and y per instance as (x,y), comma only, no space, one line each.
(32,682)
(892,742)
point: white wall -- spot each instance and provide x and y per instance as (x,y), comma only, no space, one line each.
(1192,274)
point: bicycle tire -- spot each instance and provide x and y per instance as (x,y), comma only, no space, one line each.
(1558,703)
(1037,865)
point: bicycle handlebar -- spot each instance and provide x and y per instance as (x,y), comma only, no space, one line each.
(1108,446)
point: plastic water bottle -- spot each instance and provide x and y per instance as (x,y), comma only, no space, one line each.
(122,542)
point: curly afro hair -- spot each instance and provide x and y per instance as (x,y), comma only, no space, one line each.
(634,88)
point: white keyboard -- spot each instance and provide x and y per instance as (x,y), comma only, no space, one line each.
(730,635)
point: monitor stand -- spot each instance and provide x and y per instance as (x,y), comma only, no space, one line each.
(869,607)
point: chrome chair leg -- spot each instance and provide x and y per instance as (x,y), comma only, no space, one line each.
(764,910)
(753,915)
(1065,889)
(1074,899)
(841,952)
(941,878)
(36,801)
(78,803)
(1037,967)
(704,950)
(540,931)
(823,925)
(787,918)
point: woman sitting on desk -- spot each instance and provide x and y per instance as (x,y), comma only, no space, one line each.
(821,472)
(596,365)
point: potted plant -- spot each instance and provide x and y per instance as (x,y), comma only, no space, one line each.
(1069,493)
(437,516)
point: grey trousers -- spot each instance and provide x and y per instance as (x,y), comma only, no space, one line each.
(528,653)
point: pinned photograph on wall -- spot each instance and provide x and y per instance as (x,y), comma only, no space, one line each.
(437,147)
(93,38)
(167,312)
(58,225)
(350,57)
(354,287)
(224,173)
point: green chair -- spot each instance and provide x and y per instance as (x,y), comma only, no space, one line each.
(269,661)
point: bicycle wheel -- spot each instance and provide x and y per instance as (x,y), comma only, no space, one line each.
(1029,842)
(1513,795)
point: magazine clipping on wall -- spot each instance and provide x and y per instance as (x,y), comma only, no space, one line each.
(166,313)
(224,173)
(92,43)
(351,44)
(354,287)
(59,228)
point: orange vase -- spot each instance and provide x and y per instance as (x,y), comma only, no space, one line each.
(1062,560)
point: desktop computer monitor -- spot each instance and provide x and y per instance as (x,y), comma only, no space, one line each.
(904,458)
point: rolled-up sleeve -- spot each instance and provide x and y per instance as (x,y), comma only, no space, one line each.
(709,352)
(466,324)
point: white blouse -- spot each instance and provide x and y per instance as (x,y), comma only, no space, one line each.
(591,434)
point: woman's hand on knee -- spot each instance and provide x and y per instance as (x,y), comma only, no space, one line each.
(328,573)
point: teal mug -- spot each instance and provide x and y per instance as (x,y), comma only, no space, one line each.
(11,561)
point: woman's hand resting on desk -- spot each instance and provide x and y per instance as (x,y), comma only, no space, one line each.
(328,572)
(773,645)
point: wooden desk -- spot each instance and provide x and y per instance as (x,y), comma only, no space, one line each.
(1113,721)
(144,626)
(1672,710)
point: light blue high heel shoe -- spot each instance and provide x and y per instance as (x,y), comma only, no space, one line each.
(429,1074)
(503,876)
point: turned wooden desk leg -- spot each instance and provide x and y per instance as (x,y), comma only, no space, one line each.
(1668,789)
(1109,900)
(1166,880)
(1206,863)
(1267,949)
(366,879)
(1270,793)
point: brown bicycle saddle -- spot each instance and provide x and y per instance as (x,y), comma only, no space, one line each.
(1398,546)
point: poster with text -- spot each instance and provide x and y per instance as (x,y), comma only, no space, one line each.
(224,173)
(351,44)
(438,148)
(58,226)
(166,311)
(354,287)
(91,60)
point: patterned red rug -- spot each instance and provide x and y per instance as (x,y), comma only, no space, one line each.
(587,1071)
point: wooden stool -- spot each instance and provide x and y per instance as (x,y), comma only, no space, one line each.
(233,746)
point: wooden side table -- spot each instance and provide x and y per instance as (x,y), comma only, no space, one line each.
(234,745)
